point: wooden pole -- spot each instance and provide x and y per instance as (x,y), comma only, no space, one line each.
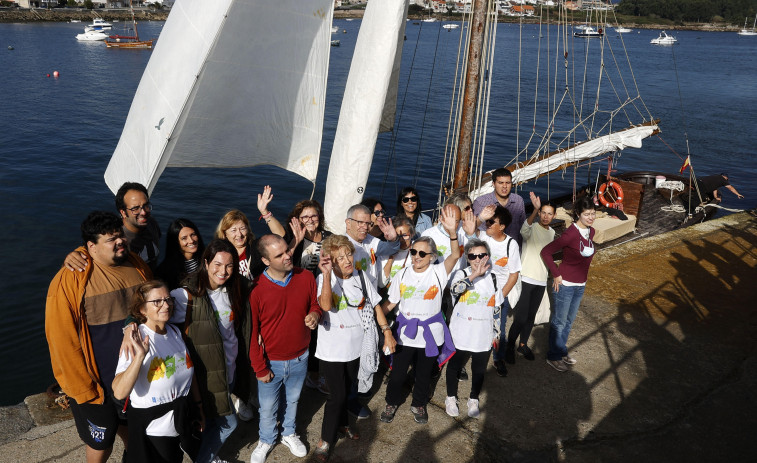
(470,95)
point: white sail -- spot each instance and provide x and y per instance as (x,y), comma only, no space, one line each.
(615,141)
(362,108)
(390,103)
(195,105)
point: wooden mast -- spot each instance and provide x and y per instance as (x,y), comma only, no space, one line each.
(470,95)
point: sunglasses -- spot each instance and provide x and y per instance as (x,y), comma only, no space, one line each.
(378,212)
(407,199)
(490,222)
(423,254)
(472,256)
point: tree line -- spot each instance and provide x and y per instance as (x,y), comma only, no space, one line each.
(733,11)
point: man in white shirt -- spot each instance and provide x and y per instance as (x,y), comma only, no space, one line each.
(370,250)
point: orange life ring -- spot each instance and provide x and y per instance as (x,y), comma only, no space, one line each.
(617,192)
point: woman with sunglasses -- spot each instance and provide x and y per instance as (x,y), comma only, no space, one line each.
(421,332)
(569,279)
(401,258)
(409,206)
(474,324)
(213,311)
(378,209)
(347,335)
(184,247)
(159,402)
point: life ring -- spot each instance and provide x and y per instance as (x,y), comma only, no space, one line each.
(617,192)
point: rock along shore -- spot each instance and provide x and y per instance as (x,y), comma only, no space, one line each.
(667,371)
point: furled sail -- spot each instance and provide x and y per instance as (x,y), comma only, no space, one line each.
(390,103)
(197,107)
(616,141)
(362,108)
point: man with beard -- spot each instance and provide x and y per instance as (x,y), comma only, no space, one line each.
(502,182)
(84,316)
(139,227)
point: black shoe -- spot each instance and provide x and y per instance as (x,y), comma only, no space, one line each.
(388,414)
(420,414)
(510,354)
(463,375)
(501,368)
(526,352)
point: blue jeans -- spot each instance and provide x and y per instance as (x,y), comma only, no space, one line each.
(567,300)
(499,353)
(288,378)
(217,430)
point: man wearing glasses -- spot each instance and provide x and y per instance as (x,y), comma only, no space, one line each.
(368,249)
(139,227)
(502,183)
(84,316)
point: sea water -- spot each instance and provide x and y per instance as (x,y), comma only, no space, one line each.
(58,134)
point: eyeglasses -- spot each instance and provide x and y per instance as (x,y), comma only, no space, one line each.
(159,302)
(467,208)
(423,254)
(241,230)
(472,256)
(147,207)
(344,257)
(490,222)
(308,218)
(379,212)
(407,199)
(589,214)
(404,235)
(360,223)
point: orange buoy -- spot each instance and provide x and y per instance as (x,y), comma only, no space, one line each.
(616,192)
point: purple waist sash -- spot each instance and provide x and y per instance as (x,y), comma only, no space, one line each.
(410,326)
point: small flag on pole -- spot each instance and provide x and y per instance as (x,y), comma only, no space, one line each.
(686,164)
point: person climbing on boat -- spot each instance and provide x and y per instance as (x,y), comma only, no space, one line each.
(502,182)
(711,184)
(569,279)
(235,228)
(474,323)
(423,337)
(378,209)
(409,206)
(184,248)
(368,249)
(505,258)
(536,234)
(140,229)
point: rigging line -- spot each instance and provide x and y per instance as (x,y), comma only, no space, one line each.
(633,75)
(671,148)
(475,159)
(423,124)
(680,101)
(393,142)
(492,25)
(517,99)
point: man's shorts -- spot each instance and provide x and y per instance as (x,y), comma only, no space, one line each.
(97,424)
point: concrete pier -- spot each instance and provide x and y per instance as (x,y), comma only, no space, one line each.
(667,371)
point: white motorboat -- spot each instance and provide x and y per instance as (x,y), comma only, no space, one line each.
(751,31)
(429,20)
(334,29)
(588,32)
(451,26)
(622,30)
(664,39)
(98,24)
(92,36)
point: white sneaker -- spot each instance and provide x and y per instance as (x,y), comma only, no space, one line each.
(218,460)
(260,452)
(295,445)
(244,411)
(450,404)
(473,411)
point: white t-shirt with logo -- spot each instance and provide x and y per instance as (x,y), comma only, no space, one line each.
(472,320)
(219,299)
(340,331)
(420,296)
(502,265)
(365,256)
(443,244)
(401,259)
(165,374)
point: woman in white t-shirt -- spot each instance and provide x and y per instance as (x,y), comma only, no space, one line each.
(420,330)
(401,259)
(347,336)
(474,323)
(157,379)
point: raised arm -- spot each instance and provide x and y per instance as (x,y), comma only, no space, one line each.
(536,201)
(264,199)
(448,222)
(324,299)
(124,382)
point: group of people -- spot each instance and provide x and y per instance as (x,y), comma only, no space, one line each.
(169,354)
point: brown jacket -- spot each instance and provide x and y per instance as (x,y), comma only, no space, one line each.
(71,352)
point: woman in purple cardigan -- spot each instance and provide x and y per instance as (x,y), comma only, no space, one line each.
(569,279)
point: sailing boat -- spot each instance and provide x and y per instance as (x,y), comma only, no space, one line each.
(128,41)
(751,31)
(180,115)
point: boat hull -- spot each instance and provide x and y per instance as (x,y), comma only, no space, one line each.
(134,45)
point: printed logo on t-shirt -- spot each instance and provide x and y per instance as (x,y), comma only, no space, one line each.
(441,250)
(342,302)
(362,264)
(501,262)
(471,319)
(164,367)
(408,292)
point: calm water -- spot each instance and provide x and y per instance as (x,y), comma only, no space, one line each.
(58,135)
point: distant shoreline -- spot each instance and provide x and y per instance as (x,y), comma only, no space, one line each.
(16,15)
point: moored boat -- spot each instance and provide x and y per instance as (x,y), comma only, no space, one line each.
(751,31)
(588,32)
(92,36)
(128,41)
(664,39)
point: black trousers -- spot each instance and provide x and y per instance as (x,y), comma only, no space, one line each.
(339,377)
(403,358)
(478,369)
(525,312)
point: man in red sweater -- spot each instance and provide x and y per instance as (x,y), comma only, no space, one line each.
(285,309)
